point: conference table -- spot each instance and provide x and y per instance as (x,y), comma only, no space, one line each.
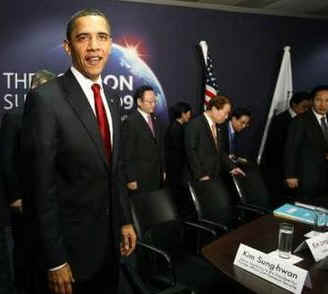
(262,234)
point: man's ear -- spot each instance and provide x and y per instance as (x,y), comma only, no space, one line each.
(138,101)
(67,47)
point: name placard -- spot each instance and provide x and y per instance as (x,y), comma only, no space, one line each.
(318,246)
(274,270)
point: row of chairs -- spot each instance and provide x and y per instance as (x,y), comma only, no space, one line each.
(167,255)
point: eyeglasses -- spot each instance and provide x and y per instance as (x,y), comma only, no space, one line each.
(150,102)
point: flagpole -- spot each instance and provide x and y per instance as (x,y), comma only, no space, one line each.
(281,96)
(204,47)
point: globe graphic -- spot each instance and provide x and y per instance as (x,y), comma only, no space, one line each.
(123,62)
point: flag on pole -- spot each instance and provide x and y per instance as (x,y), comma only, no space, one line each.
(281,96)
(211,86)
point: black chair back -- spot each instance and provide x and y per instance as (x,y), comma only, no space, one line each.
(252,189)
(151,209)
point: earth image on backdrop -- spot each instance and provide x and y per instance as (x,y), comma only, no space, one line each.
(131,70)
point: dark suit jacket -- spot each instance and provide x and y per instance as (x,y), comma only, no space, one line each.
(143,156)
(10,154)
(305,154)
(72,194)
(176,159)
(277,137)
(224,137)
(4,207)
(203,157)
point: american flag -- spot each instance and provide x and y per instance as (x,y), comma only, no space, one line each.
(211,86)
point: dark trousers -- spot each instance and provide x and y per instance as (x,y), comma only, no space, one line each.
(6,276)
(105,281)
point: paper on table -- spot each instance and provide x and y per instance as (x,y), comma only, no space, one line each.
(292,260)
(313,234)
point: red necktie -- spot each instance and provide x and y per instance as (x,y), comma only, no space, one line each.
(102,120)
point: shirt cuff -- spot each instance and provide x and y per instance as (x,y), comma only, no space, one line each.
(57,267)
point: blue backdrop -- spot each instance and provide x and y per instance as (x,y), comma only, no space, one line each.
(247,50)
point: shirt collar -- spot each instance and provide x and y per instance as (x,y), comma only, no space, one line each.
(292,112)
(232,131)
(317,115)
(209,120)
(85,82)
(145,115)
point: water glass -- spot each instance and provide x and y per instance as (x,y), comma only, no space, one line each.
(285,240)
(320,220)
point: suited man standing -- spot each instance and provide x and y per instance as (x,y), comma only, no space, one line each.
(240,120)
(73,198)
(306,150)
(205,155)
(143,157)
(10,159)
(273,161)
(277,135)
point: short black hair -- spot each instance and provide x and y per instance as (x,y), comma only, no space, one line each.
(140,92)
(81,13)
(179,108)
(240,111)
(298,97)
(317,89)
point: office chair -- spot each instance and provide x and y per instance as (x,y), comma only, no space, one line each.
(162,255)
(209,207)
(252,192)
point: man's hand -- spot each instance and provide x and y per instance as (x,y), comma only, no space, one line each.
(129,239)
(17,205)
(292,183)
(205,178)
(60,281)
(237,171)
(133,185)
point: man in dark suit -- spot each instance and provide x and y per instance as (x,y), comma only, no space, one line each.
(143,156)
(205,155)
(10,160)
(240,120)
(306,150)
(73,186)
(273,162)
(277,135)
(174,142)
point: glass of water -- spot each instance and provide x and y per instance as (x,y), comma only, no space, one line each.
(320,220)
(285,241)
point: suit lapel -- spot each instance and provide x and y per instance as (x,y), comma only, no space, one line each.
(209,132)
(79,103)
(145,126)
(317,131)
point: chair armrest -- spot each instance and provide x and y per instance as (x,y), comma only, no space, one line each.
(254,208)
(201,228)
(156,250)
(164,255)
(215,224)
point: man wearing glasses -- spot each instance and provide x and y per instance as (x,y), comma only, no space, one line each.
(143,156)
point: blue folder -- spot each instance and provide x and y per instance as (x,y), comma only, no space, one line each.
(295,213)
